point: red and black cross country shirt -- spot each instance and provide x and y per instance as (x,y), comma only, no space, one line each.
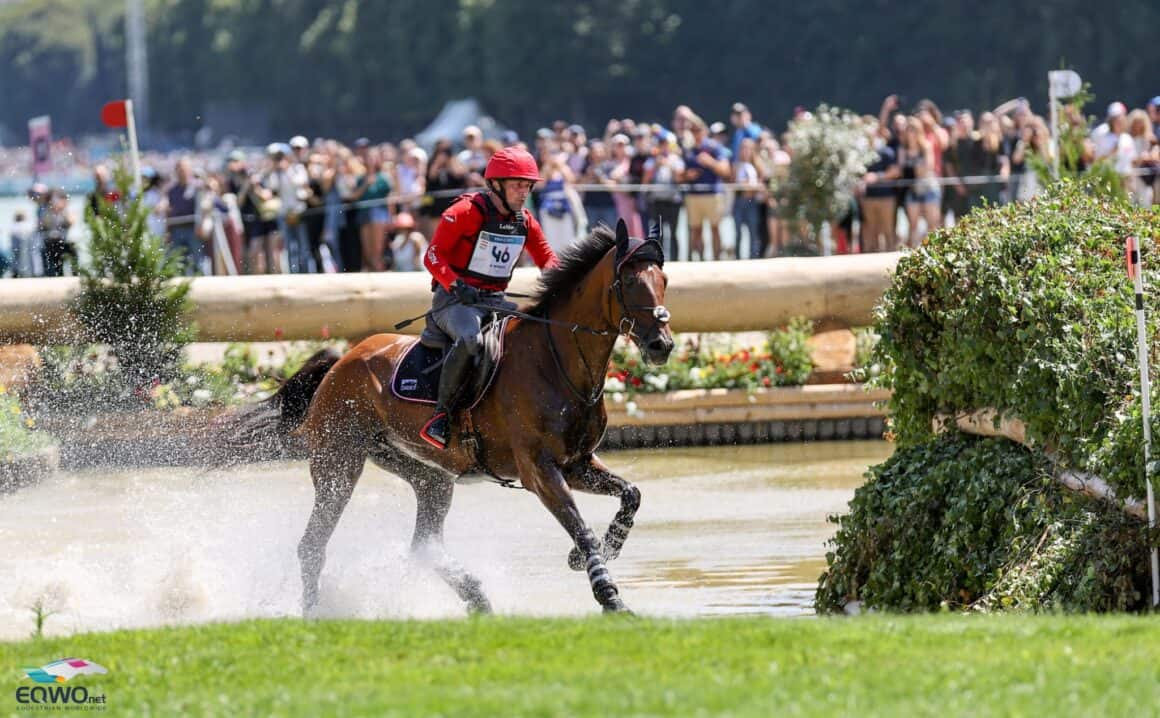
(473,241)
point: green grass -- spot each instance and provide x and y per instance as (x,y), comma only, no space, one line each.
(873,666)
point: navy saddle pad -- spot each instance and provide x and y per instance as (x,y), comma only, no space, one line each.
(416,377)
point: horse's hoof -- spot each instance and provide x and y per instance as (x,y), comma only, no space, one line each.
(479,607)
(617,606)
(575,560)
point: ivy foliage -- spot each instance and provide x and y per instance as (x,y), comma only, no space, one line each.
(961,522)
(1028,309)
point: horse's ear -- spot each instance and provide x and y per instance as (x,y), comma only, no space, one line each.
(621,238)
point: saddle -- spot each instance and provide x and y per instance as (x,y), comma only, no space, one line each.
(416,376)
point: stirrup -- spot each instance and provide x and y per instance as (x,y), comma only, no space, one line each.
(435,431)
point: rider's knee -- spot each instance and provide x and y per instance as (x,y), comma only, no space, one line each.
(471,343)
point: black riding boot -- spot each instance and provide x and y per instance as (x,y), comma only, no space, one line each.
(437,430)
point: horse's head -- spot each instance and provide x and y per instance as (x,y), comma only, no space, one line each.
(638,285)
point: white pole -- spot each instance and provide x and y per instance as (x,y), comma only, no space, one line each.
(1135,269)
(1053,101)
(134,157)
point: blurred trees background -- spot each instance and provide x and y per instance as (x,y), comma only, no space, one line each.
(384,69)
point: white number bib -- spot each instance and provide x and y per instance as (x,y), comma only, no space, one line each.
(495,255)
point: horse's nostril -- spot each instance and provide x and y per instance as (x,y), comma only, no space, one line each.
(658,346)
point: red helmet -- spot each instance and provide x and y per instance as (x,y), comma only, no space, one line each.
(512,163)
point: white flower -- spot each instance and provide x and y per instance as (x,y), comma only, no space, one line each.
(695,373)
(202,396)
(613,384)
(660,382)
(191,379)
(617,397)
(632,410)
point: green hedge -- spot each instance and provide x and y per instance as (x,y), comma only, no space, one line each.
(960,522)
(1025,308)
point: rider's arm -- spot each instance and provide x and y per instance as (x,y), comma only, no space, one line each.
(537,244)
(460,220)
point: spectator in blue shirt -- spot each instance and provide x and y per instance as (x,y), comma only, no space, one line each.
(744,127)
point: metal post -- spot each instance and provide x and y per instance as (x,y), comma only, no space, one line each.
(1135,270)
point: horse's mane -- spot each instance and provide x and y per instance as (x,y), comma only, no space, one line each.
(575,263)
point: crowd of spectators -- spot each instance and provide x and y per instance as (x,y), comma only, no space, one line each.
(323,206)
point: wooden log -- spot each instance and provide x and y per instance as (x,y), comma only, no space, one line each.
(703,297)
(982,423)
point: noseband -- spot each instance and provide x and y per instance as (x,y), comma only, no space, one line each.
(650,250)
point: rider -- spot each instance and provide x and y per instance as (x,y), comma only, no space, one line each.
(476,246)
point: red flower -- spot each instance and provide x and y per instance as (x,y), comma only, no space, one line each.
(754,366)
(779,370)
(765,381)
(743,355)
(278,333)
(636,381)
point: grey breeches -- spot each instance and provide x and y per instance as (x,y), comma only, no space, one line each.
(463,324)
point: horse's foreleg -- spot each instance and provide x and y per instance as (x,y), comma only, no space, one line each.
(433,500)
(596,478)
(335,476)
(545,479)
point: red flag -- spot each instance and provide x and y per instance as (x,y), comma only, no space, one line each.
(114,114)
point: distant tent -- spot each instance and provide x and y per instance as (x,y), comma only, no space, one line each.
(456,115)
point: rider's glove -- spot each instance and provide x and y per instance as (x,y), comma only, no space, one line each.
(464,292)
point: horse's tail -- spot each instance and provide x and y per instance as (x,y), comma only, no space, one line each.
(263,431)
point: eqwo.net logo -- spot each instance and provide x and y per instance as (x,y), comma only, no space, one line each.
(54,694)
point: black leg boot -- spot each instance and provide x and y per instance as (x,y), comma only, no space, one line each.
(437,430)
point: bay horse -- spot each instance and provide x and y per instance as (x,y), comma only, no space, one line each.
(539,423)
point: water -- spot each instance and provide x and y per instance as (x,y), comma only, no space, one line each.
(720,531)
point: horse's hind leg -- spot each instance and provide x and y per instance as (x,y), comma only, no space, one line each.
(433,491)
(335,473)
(596,478)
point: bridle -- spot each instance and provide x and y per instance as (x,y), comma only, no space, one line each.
(626,326)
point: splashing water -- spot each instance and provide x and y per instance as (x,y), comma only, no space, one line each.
(721,530)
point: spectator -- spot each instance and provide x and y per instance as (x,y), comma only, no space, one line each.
(27,253)
(290,183)
(55,222)
(879,201)
(372,192)
(446,178)
(408,245)
(598,203)
(558,212)
(624,201)
(665,168)
(924,194)
(181,206)
(349,177)
(472,156)
(1145,157)
(153,198)
(705,167)
(1035,141)
(747,199)
(744,127)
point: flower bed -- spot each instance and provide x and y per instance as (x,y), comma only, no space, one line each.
(783,359)
(26,455)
